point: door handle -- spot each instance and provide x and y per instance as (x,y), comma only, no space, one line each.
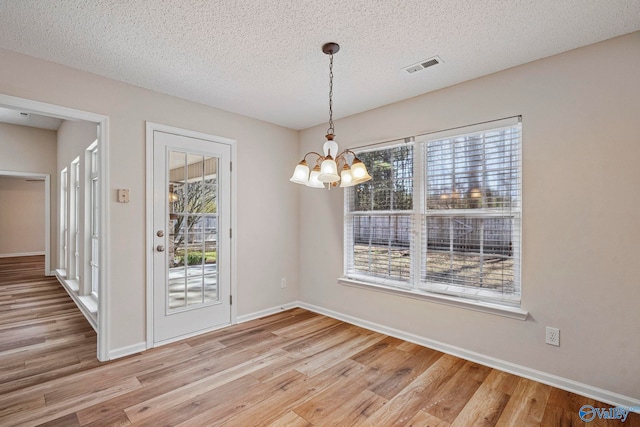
(160,248)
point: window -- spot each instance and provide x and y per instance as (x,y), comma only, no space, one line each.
(74,221)
(440,216)
(94,210)
(64,209)
(379,219)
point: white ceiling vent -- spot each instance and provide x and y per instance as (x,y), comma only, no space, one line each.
(429,62)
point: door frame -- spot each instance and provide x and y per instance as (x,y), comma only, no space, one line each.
(149,248)
(66,113)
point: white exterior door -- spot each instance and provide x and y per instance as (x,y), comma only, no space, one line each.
(191,236)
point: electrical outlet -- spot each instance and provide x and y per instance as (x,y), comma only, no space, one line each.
(553,336)
(283,282)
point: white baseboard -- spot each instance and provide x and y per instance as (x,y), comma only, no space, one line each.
(266,312)
(128,350)
(21,254)
(586,390)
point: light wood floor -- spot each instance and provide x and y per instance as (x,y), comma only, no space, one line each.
(294,368)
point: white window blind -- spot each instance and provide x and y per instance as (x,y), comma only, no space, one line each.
(379,218)
(441,215)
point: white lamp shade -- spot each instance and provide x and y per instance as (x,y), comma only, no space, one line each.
(330,147)
(329,171)
(314,182)
(301,174)
(346,179)
(359,172)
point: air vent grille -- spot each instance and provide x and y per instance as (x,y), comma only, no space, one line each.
(429,62)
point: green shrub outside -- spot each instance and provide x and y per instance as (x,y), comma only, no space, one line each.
(194,257)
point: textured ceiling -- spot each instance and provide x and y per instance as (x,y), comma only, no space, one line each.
(262,58)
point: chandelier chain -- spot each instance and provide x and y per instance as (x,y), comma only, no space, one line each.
(330,130)
(332,168)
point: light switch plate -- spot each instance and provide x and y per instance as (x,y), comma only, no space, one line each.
(123,195)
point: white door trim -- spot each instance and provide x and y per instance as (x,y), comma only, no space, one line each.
(150,128)
(43,108)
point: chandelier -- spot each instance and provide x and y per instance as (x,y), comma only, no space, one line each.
(326,167)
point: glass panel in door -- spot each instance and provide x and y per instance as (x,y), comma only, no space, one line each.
(193,231)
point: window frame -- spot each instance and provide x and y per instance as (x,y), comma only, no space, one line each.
(93,189)
(64,214)
(509,305)
(73,263)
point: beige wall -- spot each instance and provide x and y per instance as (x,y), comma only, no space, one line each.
(73,139)
(26,149)
(267,210)
(31,150)
(22,226)
(581,145)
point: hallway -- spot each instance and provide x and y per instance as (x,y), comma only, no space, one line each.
(43,335)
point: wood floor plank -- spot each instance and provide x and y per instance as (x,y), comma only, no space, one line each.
(267,407)
(307,327)
(483,409)
(334,398)
(304,349)
(251,398)
(50,412)
(404,406)
(22,405)
(194,388)
(204,409)
(346,404)
(290,419)
(320,340)
(337,353)
(424,419)
(447,402)
(275,406)
(398,377)
(69,420)
(526,406)
(379,349)
(502,381)
(294,368)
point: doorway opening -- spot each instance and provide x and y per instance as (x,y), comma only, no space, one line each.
(28,107)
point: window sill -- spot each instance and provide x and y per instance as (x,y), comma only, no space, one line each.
(484,307)
(73,284)
(88,304)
